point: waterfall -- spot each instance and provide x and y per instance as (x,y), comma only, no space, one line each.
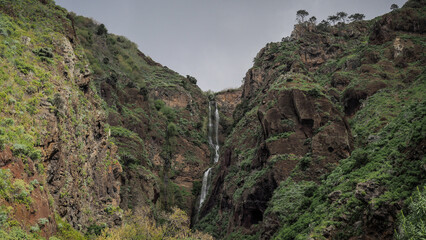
(210,126)
(205,186)
(216,128)
(212,131)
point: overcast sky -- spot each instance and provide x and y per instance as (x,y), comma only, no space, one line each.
(212,40)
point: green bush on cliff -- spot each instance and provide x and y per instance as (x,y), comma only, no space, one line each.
(5,184)
(169,113)
(399,177)
(175,225)
(413,225)
(101,30)
(10,229)
(241,236)
(18,149)
(17,191)
(279,136)
(23,66)
(172,130)
(16,233)
(196,188)
(24,150)
(290,199)
(305,162)
(249,180)
(66,231)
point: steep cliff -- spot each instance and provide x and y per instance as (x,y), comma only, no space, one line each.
(328,140)
(142,99)
(325,139)
(55,152)
(90,126)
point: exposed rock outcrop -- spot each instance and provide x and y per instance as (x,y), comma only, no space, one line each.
(306,104)
(40,207)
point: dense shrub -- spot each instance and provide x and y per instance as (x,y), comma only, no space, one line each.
(172,130)
(413,224)
(23,67)
(360,156)
(19,149)
(101,30)
(169,113)
(305,162)
(191,79)
(66,231)
(159,104)
(44,53)
(141,225)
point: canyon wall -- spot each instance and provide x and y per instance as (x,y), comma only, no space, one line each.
(322,144)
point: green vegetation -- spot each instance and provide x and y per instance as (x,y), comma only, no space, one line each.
(142,226)
(249,181)
(291,199)
(366,164)
(301,14)
(413,225)
(40,102)
(16,191)
(16,233)
(66,231)
(156,115)
(10,229)
(383,100)
(139,99)
(279,136)
(240,236)
(214,223)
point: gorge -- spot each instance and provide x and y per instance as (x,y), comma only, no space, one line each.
(325,139)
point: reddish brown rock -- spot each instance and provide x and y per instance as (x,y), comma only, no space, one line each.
(39,207)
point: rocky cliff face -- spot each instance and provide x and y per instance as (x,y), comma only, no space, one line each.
(227,101)
(304,158)
(324,140)
(90,126)
(56,154)
(141,105)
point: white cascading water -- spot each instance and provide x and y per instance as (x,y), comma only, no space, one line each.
(210,127)
(213,130)
(205,186)
(216,129)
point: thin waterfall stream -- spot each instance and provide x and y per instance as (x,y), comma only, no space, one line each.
(214,144)
(205,186)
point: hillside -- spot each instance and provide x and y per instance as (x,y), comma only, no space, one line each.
(329,139)
(90,127)
(325,139)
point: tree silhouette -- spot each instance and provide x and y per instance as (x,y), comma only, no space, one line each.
(394,7)
(300,15)
(333,19)
(313,19)
(101,30)
(357,17)
(323,25)
(342,16)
